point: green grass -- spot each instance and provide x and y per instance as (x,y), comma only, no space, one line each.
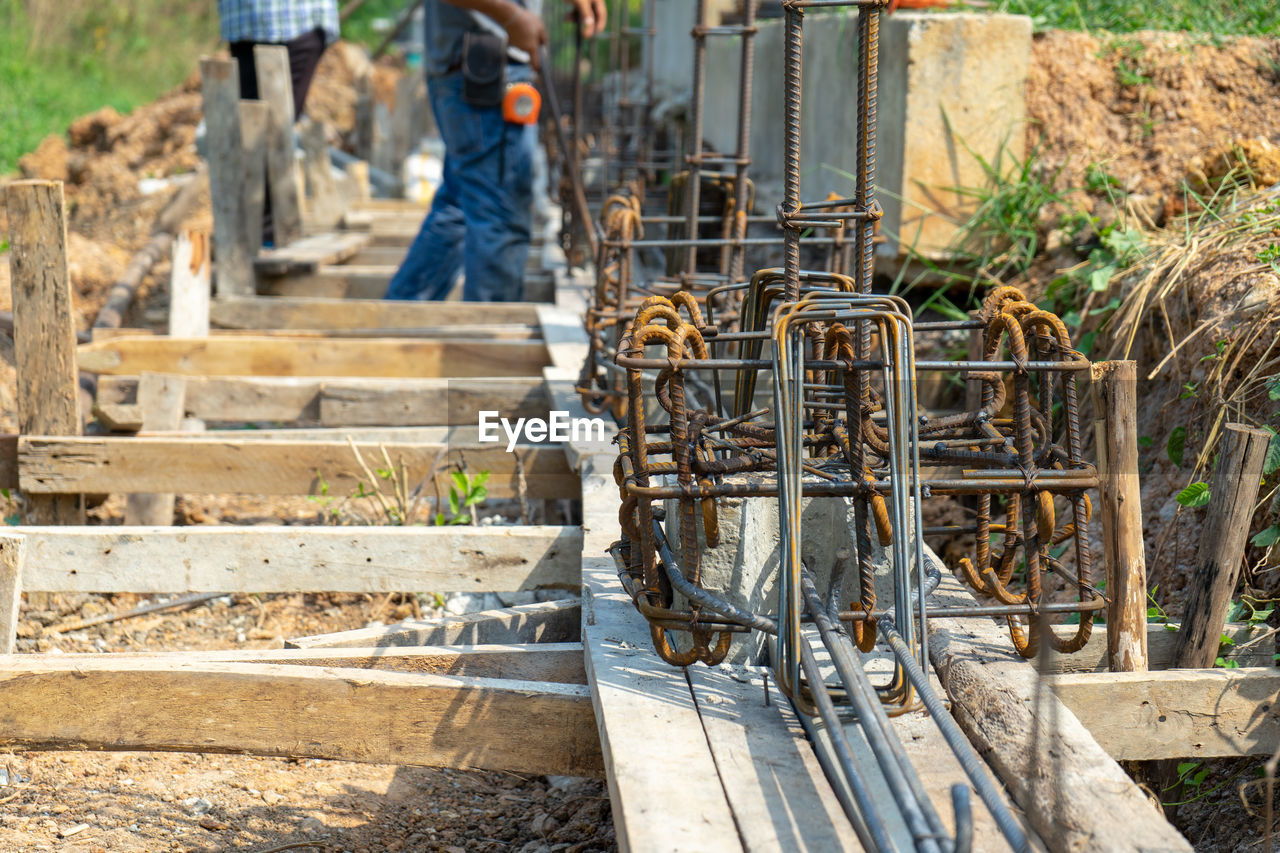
(61,60)
(1223,17)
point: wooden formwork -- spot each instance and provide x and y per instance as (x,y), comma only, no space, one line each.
(695,759)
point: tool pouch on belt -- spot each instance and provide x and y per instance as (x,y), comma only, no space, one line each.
(484,69)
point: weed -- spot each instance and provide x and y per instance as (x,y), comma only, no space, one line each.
(1131,70)
(1241,17)
(1195,495)
(465,493)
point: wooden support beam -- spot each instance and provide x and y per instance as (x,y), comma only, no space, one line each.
(559,663)
(44,332)
(326,207)
(781,800)
(307,313)
(220,85)
(253,138)
(644,708)
(354,281)
(1073,793)
(275,88)
(1236,480)
(1120,505)
(305,255)
(162,399)
(298,711)
(299,559)
(189,286)
(1252,648)
(364,116)
(1179,713)
(12,549)
(183,465)
(332,402)
(546,622)
(253,356)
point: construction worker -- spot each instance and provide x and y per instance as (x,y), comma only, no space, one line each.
(304,27)
(480,219)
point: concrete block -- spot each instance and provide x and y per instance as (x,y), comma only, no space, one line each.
(744,566)
(952,90)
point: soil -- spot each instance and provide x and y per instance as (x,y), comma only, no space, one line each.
(1180,124)
(1152,109)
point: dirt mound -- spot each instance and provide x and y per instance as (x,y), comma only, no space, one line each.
(1149,108)
(1202,318)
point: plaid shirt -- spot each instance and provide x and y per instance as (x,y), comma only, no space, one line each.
(277,21)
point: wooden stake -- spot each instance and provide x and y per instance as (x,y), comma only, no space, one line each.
(275,87)
(1236,479)
(189,286)
(364,117)
(220,84)
(1120,499)
(253,136)
(326,209)
(11,548)
(161,398)
(44,332)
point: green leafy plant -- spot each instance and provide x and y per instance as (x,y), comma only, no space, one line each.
(465,494)
(1194,495)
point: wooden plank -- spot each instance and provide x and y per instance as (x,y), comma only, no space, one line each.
(781,800)
(458,402)
(1115,397)
(565,336)
(545,622)
(479,331)
(1251,648)
(220,85)
(343,281)
(254,356)
(503,332)
(559,663)
(647,717)
(300,559)
(307,254)
(44,334)
(162,399)
(12,548)
(372,402)
(189,286)
(198,465)
(253,139)
(402,140)
(304,313)
(326,207)
(1236,481)
(275,88)
(1073,793)
(1179,713)
(364,116)
(269,709)
(9,461)
(380,256)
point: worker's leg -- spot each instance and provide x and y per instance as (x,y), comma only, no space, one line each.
(435,258)
(304,57)
(497,199)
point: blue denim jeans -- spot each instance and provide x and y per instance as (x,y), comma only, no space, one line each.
(480,219)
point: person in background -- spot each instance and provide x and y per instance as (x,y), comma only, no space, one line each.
(304,27)
(481,216)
